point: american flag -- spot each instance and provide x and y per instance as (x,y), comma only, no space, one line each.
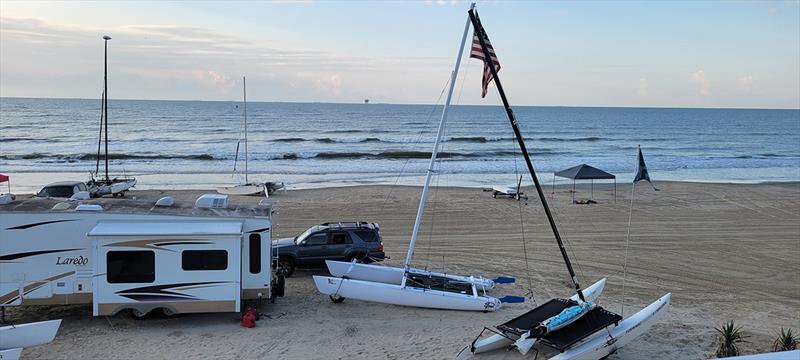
(477,53)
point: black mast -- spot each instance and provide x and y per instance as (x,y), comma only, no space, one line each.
(488,58)
(99,135)
(105,95)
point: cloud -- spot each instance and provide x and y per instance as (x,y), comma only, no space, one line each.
(699,77)
(178,62)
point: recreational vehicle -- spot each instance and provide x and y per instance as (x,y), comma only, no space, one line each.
(127,255)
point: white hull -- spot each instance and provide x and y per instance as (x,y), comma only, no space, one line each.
(629,329)
(393,275)
(10,354)
(27,335)
(495,342)
(116,187)
(405,296)
(248,189)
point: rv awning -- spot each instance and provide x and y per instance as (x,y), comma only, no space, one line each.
(166,228)
(3,178)
(584,172)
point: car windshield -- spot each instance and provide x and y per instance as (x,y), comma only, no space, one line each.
(303,236)
(56,191)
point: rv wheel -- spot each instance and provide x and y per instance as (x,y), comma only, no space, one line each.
(167,312)
(336,298)
(137,314)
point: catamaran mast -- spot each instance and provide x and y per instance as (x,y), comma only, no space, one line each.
(481,37)
(105,95)
(244,90)
(439,134)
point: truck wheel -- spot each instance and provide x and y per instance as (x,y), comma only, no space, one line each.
(336,298)
(280,286)
(286,266)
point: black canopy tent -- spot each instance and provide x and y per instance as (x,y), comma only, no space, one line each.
(584,172)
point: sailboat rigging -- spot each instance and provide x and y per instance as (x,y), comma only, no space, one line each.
(407,285)
(247,188)
(107,186)
(562,324)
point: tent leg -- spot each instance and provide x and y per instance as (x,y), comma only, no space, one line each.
(592,189)
(615,190)
(573,191)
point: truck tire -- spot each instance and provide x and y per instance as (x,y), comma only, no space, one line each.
(280,285)
(286,266)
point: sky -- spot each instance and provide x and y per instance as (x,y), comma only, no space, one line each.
(740,54)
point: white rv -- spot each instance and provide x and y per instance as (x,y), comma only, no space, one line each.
(130,255)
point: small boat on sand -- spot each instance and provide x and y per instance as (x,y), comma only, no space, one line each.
(116,186)
(248,188)
(13,338)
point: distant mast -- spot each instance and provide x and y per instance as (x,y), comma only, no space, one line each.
(105,95)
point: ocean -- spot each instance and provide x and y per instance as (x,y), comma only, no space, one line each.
(192,144)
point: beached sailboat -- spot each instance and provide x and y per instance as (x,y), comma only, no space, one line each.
(572,326)
(106,185)
(13,338)
(248,188)
(409,286)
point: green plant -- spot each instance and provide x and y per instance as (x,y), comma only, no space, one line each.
(786,341)
(729,336)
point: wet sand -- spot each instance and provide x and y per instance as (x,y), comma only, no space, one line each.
(725,251)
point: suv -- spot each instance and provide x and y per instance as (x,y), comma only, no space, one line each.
(350,241)
(62,189)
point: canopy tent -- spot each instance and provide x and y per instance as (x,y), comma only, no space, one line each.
(585,172)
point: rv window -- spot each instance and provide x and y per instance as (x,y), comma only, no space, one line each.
(204,260)
(255,253)
(131,267)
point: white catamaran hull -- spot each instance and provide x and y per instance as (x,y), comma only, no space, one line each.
(26,335)
(247,189)
(606,343)
(393,275)
(496,342)
(116,187)
(405,296)
(10,354)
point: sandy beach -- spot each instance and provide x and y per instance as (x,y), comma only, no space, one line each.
(725,251)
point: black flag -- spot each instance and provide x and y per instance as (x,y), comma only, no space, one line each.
(641,171)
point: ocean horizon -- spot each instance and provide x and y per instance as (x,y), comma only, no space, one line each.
(192,144)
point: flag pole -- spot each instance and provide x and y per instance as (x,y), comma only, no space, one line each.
(488,58)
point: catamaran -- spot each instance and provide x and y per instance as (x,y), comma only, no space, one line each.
(411,286)
(13,338)
(248,188)
(572,326)
(116,186)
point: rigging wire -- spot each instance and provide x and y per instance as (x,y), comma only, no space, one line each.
(439,170)
(627,242)
(416,141)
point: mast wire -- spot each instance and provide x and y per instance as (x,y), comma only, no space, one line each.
(627,243)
